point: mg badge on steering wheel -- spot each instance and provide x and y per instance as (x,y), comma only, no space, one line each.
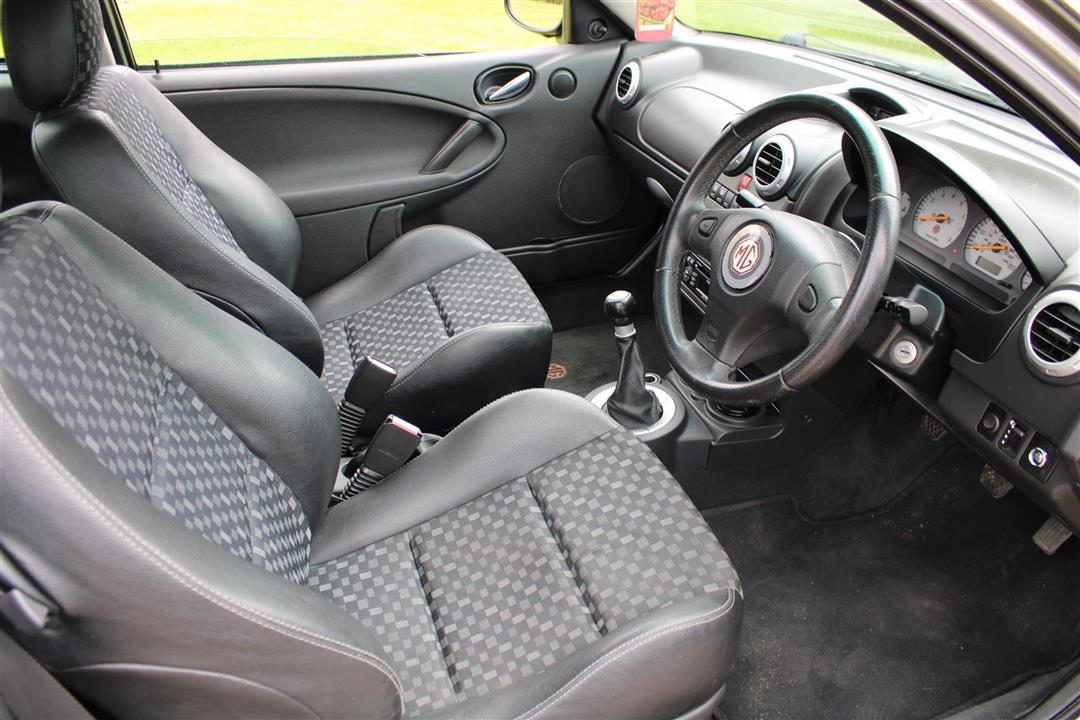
(747,256)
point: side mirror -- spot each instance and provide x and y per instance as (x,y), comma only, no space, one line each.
(539,16)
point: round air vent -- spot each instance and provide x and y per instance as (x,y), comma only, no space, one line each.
(1052,335)
(627,84)
(773,165)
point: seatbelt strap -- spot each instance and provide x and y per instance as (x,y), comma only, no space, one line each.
(28,691)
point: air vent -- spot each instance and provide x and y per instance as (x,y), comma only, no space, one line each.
(1052,334)
(626,85)
(1055,334)
(773,165)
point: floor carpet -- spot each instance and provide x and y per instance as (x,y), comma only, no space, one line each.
(588,358)
(926,605)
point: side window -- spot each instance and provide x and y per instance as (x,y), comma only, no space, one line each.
(210,32)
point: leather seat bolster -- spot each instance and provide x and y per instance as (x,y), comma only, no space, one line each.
(263,393)
(498,444)
(138,588)
(409,260)
(258,219)
(77,148)
(664,664)
(470,370)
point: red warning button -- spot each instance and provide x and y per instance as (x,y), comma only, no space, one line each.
(744,181)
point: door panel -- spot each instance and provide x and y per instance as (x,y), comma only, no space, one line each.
(324,149)
(341,141)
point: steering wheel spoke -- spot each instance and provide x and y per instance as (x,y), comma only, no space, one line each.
(719,336)
(703,228)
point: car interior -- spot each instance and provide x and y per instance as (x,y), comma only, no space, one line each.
(711,377)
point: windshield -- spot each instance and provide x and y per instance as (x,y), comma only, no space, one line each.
(843,28)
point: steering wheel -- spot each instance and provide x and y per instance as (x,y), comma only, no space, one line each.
(779,281)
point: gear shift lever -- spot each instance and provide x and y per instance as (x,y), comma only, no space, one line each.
(631,404)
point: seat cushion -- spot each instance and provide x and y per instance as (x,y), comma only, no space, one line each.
(453,317)
(533,573)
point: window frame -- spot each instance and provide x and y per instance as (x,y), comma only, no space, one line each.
(117,35)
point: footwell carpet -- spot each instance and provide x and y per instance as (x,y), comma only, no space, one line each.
(932,602)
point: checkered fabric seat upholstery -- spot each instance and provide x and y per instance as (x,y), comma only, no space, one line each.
(166,473)
(517,580)
(436,319)
(454,317)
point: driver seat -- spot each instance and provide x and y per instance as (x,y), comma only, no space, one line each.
(165,474)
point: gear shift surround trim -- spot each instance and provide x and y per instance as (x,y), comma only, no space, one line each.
(668,406)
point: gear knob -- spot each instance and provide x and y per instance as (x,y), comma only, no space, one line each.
(619,307)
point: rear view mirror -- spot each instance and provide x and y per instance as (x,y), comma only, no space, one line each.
(539,16)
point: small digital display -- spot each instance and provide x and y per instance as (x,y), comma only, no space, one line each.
(990,267)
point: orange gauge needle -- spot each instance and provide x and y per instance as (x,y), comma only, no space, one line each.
(934,218)
(995,248)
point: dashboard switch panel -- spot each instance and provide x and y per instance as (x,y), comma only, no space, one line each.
(694,280)
(1012,439)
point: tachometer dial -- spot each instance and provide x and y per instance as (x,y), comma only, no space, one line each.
(940,216)
(988,251)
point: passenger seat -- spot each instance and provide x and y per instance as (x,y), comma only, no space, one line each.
(453,316)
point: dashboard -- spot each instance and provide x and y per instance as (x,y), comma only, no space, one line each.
(948,225)
(989,239)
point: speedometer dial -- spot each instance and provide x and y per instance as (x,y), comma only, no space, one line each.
(940,216)
(989,251)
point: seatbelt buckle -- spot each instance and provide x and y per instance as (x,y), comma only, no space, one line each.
(369,384)
(393,445)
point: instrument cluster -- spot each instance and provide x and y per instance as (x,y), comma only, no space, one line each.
(945,223)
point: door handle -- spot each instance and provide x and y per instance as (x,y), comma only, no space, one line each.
(510,90)
(504,83)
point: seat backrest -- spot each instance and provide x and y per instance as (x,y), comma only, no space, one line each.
(113,146)
(162,469)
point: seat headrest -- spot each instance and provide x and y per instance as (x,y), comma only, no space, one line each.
(52,49)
